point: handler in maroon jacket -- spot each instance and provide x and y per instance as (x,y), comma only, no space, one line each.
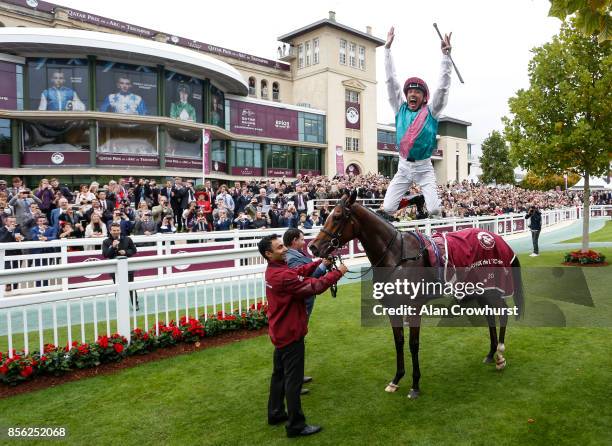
(286,290)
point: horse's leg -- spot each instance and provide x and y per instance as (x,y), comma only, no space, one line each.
(483,302)
(398,338)
(414,352)
(500,363)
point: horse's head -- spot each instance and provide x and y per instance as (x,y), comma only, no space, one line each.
(340,227)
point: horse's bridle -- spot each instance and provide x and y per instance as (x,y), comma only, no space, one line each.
(335,237)
(335,244)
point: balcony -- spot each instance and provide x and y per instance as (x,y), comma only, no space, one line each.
(288,55)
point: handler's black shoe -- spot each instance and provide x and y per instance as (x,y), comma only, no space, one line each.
(278,419)
(308,430)
(307,379)
(304,391)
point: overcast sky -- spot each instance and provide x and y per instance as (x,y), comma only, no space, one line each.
(491,39)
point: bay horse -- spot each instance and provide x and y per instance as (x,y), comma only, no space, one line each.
(386,247)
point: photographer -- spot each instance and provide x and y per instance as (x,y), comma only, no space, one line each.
(162,211)
(145,225)
(200,224)
(21,204)
(167,226)
(122,220)
(535,223)
(243,222)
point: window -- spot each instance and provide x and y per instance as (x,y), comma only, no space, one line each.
(264,89)
(280,157)
(315,48)
(128,139)
(252,83)
(276,91)
(301,55)
(351,96)
(342,52)
(183,143)
(352,144)
(5,137)
(311,127)
(55,135)
(218,151)
(362,57)
(309,159)
(352,59)
(308,53)
(246,154)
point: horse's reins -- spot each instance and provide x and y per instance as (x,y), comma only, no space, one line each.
(335,243)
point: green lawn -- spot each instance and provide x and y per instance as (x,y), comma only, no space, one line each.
(558,377)
(601,235)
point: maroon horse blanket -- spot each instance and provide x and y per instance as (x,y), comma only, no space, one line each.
(474,255)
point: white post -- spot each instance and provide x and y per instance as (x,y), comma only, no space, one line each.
(168,253)
(123,297)
(160,251)
(236,246)
(64,261)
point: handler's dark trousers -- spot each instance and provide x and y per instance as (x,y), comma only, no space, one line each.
(286,382)
(535,235)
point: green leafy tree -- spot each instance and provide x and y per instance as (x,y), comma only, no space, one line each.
(562,122)
(592,16)
(495,160)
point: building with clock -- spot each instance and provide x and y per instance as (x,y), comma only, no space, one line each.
(84,97)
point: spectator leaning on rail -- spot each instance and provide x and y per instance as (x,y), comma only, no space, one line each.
(286,291)
(117,245)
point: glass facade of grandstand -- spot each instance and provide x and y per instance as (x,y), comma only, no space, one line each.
(58,86)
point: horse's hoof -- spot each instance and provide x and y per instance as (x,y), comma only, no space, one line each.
(414,394)
(488,359)
(391,388)
(500,364)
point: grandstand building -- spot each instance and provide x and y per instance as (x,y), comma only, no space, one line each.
(86,97)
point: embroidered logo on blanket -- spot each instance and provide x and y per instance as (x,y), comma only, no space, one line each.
(486,240)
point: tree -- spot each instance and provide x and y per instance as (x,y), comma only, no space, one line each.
(592,16)
(562,122)
(548,182)
(495,160)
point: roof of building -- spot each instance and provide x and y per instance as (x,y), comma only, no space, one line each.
(330,22)
(442,118)
(25,41)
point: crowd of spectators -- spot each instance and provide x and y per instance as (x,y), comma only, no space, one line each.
(144,207)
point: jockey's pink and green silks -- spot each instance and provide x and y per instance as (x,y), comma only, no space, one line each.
(415,132)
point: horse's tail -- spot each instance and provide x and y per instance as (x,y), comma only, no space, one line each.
(519,295)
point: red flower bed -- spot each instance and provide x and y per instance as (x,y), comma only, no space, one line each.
(584,257)
(55,361)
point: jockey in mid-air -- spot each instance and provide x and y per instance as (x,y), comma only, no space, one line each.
(416,123)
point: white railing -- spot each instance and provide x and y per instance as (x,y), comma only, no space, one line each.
(75,251)
(172,291)
(84,313)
